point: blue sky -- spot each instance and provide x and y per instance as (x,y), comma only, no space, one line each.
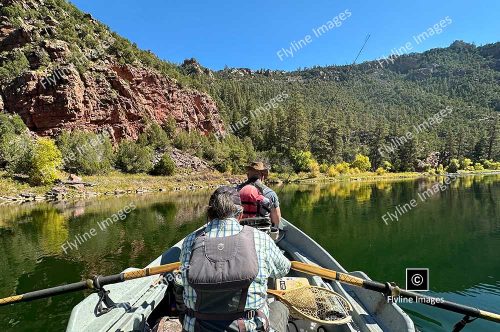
(250,33)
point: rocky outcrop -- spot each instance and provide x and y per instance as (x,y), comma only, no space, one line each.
(193,67)
(12,38)
(115,98)
(187,161)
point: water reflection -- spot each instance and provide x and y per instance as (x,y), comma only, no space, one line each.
(455,233)
(31,256)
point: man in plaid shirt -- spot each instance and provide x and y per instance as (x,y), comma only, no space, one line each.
(223,213)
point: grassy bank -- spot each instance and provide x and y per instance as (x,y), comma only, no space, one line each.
(117,183)
(365,176)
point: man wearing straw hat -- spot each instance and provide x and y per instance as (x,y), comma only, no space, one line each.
(257,172)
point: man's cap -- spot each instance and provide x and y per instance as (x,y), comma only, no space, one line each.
(233,192)
(257,166)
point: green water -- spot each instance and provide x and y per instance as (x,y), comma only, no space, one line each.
(455,233)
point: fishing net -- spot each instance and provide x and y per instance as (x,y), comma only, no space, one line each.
(317,304)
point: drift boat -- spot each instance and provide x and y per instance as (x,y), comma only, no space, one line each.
(141,302)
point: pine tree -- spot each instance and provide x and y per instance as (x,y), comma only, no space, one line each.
(406,156)
(480,149)
(492,138)
(297,125)
(375,144)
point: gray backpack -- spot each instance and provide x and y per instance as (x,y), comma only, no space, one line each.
(221,270)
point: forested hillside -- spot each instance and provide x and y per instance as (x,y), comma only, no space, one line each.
(336,112)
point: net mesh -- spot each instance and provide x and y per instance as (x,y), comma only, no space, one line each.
(318,304)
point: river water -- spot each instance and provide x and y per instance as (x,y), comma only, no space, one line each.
(454,231)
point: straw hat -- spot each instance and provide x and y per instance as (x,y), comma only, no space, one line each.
(258,166)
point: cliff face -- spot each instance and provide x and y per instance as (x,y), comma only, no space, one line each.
(52,94)
(115,98)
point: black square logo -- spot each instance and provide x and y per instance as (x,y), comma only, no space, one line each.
(417,279)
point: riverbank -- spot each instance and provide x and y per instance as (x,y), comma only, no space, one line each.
(370,176)
(117,184)
(112,184)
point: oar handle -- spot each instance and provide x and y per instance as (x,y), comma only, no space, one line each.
(150,271)
(39,294)
(96,283)
(327,274)
(387,288)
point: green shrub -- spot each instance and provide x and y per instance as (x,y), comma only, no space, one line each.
(15,152)
(154,137)
(170,127)
(134,158)
(489,164)
(478,167)
(323,168)
(15,144)
(301,160)
(354,170)
(314,168)
(440,170)
(44,163)
(387,166)
(86,153)
(210,152)
(381,171)
(182,140)
(227,155)
(454,166)
(11,124)
(166,166)
(12,11)
(342,168)
(14,66)
(361,162)
(232,153)
(223,166)
(332,171)
(465,164)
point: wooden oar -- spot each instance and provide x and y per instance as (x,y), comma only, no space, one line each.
(95,283)
(390,290)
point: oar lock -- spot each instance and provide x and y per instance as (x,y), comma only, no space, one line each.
(105,303)
(460,325)
(392,290)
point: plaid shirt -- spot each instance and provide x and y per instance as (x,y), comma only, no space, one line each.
(271,262)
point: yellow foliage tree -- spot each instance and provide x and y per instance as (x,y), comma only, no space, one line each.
(342,168)
(314,168)
(361,162)
(45,161)
(332,171)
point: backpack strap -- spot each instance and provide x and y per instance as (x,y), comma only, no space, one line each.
(259,185)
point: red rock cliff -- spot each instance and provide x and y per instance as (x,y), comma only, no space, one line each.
(52,95)
(116,98)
